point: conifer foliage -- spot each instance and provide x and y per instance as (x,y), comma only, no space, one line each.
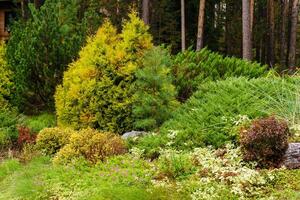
(6,84)
(156,96)
(97,89)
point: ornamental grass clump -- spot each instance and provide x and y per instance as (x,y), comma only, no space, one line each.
(265,141)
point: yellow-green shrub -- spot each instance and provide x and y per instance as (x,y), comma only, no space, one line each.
(92,145)
(6,84)
(97,89)
(51,140)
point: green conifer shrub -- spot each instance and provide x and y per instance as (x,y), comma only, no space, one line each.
(97,89)
(216,112)
(194,68)
(155,96)
(41,46)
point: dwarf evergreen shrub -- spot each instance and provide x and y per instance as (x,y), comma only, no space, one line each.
(194,68)
(91,145)
(97,88)
(51,140)
(215,113)
(155,96)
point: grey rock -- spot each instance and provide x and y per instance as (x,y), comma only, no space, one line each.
(133,134)
(292,156)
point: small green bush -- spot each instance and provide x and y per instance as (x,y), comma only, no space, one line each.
(155,96)
(174,165)
(8,128)
(51,140)
(97,89)
(92,145)
(39,122)
(213,115)
(194,68)
(265,141)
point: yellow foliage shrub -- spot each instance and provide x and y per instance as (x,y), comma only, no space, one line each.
(97,88)
(6,84)
(92,145)
(51,140)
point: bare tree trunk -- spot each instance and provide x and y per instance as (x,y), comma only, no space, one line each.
(23,9)
(271,33)
(146,11)
(183,47)
(293,35)
(283,43)
(252,3)
(200,25)
(37,3)
(247,41)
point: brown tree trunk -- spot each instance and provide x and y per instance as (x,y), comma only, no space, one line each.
(271,33)
(23,8)
(247,41)
(200,25)
(252,3)
(37,3)
(146,11)
(283,43)
(293,35)
(183,26)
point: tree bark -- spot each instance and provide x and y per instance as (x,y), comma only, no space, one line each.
(283,42)
(252,3)
(183,47)
(146,11)
(23,9)
(271,33)
(293,35)
(200,25)
(247,41)
(37,3)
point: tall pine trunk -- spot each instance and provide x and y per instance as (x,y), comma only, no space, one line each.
(252,3)
(247,41)
(293,35)
(146,11)
(200,25)
(283,26)
(271,33)
(183,46)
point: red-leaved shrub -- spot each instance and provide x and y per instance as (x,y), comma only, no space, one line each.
(265,141)
(25,136)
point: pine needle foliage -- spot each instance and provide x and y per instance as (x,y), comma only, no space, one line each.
(156,95)
(192,68)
